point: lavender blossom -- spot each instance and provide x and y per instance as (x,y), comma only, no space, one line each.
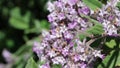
(108,16)
(84,10)
(61,45)
(8,56)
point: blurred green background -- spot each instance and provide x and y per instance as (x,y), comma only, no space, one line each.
(21,22)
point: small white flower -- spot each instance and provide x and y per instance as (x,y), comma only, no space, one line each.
(64,1)
(52,53)
(43,58)
(79,4)
(109,28)
(55,61)
(38,47)
(97,53)
(45,33)
(58,60)
(63,29)
(50,6)
(83,57)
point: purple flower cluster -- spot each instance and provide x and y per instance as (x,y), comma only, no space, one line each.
(109,17)
(67,12)
(61,45)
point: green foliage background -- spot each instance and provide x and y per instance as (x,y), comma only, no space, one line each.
(21,22)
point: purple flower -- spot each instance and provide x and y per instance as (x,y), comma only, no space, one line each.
(72,11)
(2,65)
(102,56)
(84,10)
(52,17)
(61,16)
(72,2)
(52,53)
(83,65)
(100,19)
(76,58)
(51,6)
(65,51)
(111,17)
(68,35)
(71,44)
(59,60)
(8,56)
(38,48)
(72,25)
(61,45)
(58,4)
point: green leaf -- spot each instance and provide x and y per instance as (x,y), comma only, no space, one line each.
(38,26)
(10,43)
(95,30)
(23,49)
(93,4)
(5,11)
(19,21)
(21,65)
(111,44)
(118,59)
(2,35)
(41,62)
(31,64)
(111,60)
(56,66)
(44,24)
(105,61)
(90,19)
(37,23)
(82,36)
(118,5)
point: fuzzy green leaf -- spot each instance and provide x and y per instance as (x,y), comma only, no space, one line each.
(118,5)
(111,44)
(17,20)
(38,26)
(105,61)
(96,30)
(111,61)
(31,64)
(56,66)
(118,58)
(82,36)
(93,4)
